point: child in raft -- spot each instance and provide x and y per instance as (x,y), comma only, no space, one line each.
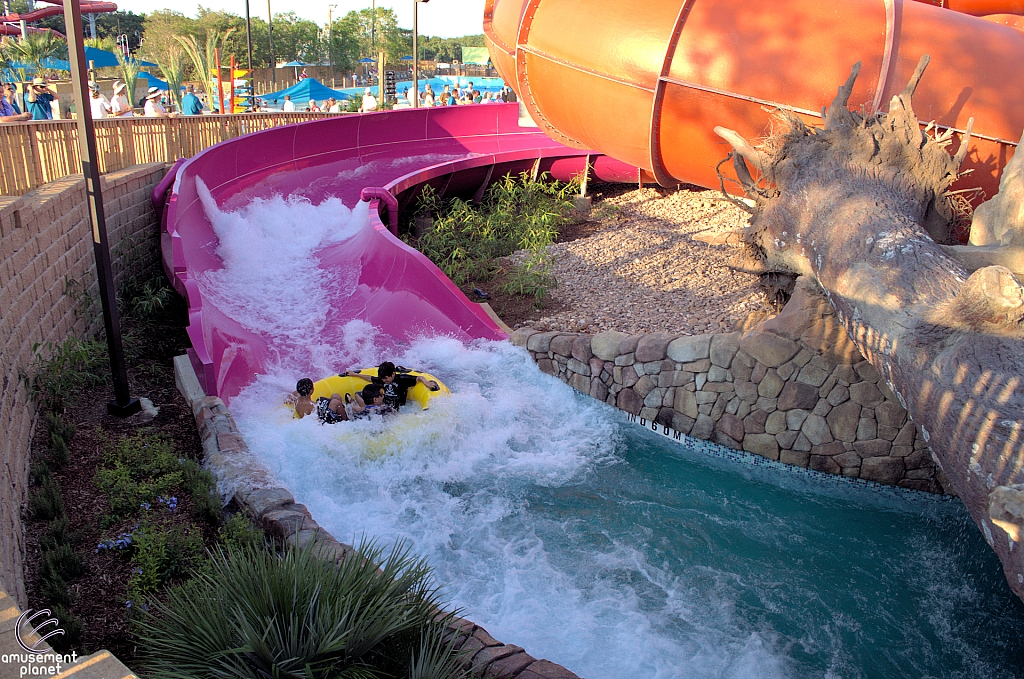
(338,408)
(396,385)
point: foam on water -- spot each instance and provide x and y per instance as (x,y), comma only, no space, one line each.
(271,281)
(563,529)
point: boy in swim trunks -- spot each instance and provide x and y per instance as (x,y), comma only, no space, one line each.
(300,398)
(395,385)
(371,402)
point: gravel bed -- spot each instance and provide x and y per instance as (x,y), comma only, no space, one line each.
(641,271)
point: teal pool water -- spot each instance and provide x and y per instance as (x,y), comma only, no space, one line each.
(565,529)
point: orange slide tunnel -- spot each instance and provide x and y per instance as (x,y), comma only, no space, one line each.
(647,82)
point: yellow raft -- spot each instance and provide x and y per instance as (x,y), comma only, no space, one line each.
(339,384)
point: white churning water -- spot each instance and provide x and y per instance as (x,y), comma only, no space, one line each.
(565,530)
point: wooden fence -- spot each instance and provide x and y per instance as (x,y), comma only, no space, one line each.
(34,153)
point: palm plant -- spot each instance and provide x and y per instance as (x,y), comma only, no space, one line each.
(174,73)
(32,51)
(255,614)
(202,56)
(129,69)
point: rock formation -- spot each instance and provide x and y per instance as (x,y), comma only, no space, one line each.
(858,206)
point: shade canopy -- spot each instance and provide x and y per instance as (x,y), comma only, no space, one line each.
(303,91)
(103,58)
(367,60)
(293,64)
(154,81)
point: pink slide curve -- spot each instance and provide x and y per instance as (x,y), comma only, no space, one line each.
(384,158)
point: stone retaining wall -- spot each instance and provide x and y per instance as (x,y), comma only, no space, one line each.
(793,389)
(48,292)
(274,509)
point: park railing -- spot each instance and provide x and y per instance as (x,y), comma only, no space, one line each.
(34,153)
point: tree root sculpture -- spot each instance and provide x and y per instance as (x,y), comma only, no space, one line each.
(859,205)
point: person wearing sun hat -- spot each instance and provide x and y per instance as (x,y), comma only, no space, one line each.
(154,109)
(38,100)
(99,104)
(120,107)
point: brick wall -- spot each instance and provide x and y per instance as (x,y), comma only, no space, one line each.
(49,291)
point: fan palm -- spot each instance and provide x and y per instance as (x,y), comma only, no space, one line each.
(32,51)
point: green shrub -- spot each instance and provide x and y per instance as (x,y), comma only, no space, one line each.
(40,472)
(516,213)
(200,484)
(137,470)
(73,630)
(161,554)
(57,533)
(46,503)
(142,299)
(60,435)
(257,614)
(61,562)
(70,368)
(238,533)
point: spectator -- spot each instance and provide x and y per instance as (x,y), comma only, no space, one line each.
(9,111)
(369,101)
(38,99)
(303,75)
(97,102)
(476,96)
(119,105)
(190,105)
(153,107)
(289,105)
(313,107)
(335,107)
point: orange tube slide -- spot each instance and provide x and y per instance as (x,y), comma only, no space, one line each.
(647,83)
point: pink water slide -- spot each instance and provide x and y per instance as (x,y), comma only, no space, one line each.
(384,158)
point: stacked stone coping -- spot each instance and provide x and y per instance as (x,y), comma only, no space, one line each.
(272,507)
(49,292)
(794,389)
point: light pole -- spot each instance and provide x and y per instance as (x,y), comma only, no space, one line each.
(248,38)
(123,404)
(273,62)
(330,41)
(373,28)
(416,53)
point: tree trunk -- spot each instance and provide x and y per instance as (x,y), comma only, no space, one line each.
(852,205)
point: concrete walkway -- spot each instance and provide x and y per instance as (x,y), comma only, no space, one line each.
(15,663)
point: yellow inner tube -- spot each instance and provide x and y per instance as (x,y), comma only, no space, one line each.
(339,384)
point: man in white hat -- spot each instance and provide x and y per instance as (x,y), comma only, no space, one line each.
(154,109)
(38,99)
(119,104)
(99,104)
(369,101)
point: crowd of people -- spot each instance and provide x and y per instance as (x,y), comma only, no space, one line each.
(384,394)
(39,98)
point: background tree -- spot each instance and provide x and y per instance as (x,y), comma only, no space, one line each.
(296,39)
(161,29)
(33,51)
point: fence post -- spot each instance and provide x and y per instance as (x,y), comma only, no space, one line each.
(169,140)
(35,160)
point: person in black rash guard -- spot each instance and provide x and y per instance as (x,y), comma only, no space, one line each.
(396,385)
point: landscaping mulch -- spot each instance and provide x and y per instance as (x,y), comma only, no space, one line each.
(100,592)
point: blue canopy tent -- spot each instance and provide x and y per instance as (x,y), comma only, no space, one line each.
(154,81)
(302,91)
(104,59)
(367,60)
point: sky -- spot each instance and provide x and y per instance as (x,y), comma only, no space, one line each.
(442,18)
